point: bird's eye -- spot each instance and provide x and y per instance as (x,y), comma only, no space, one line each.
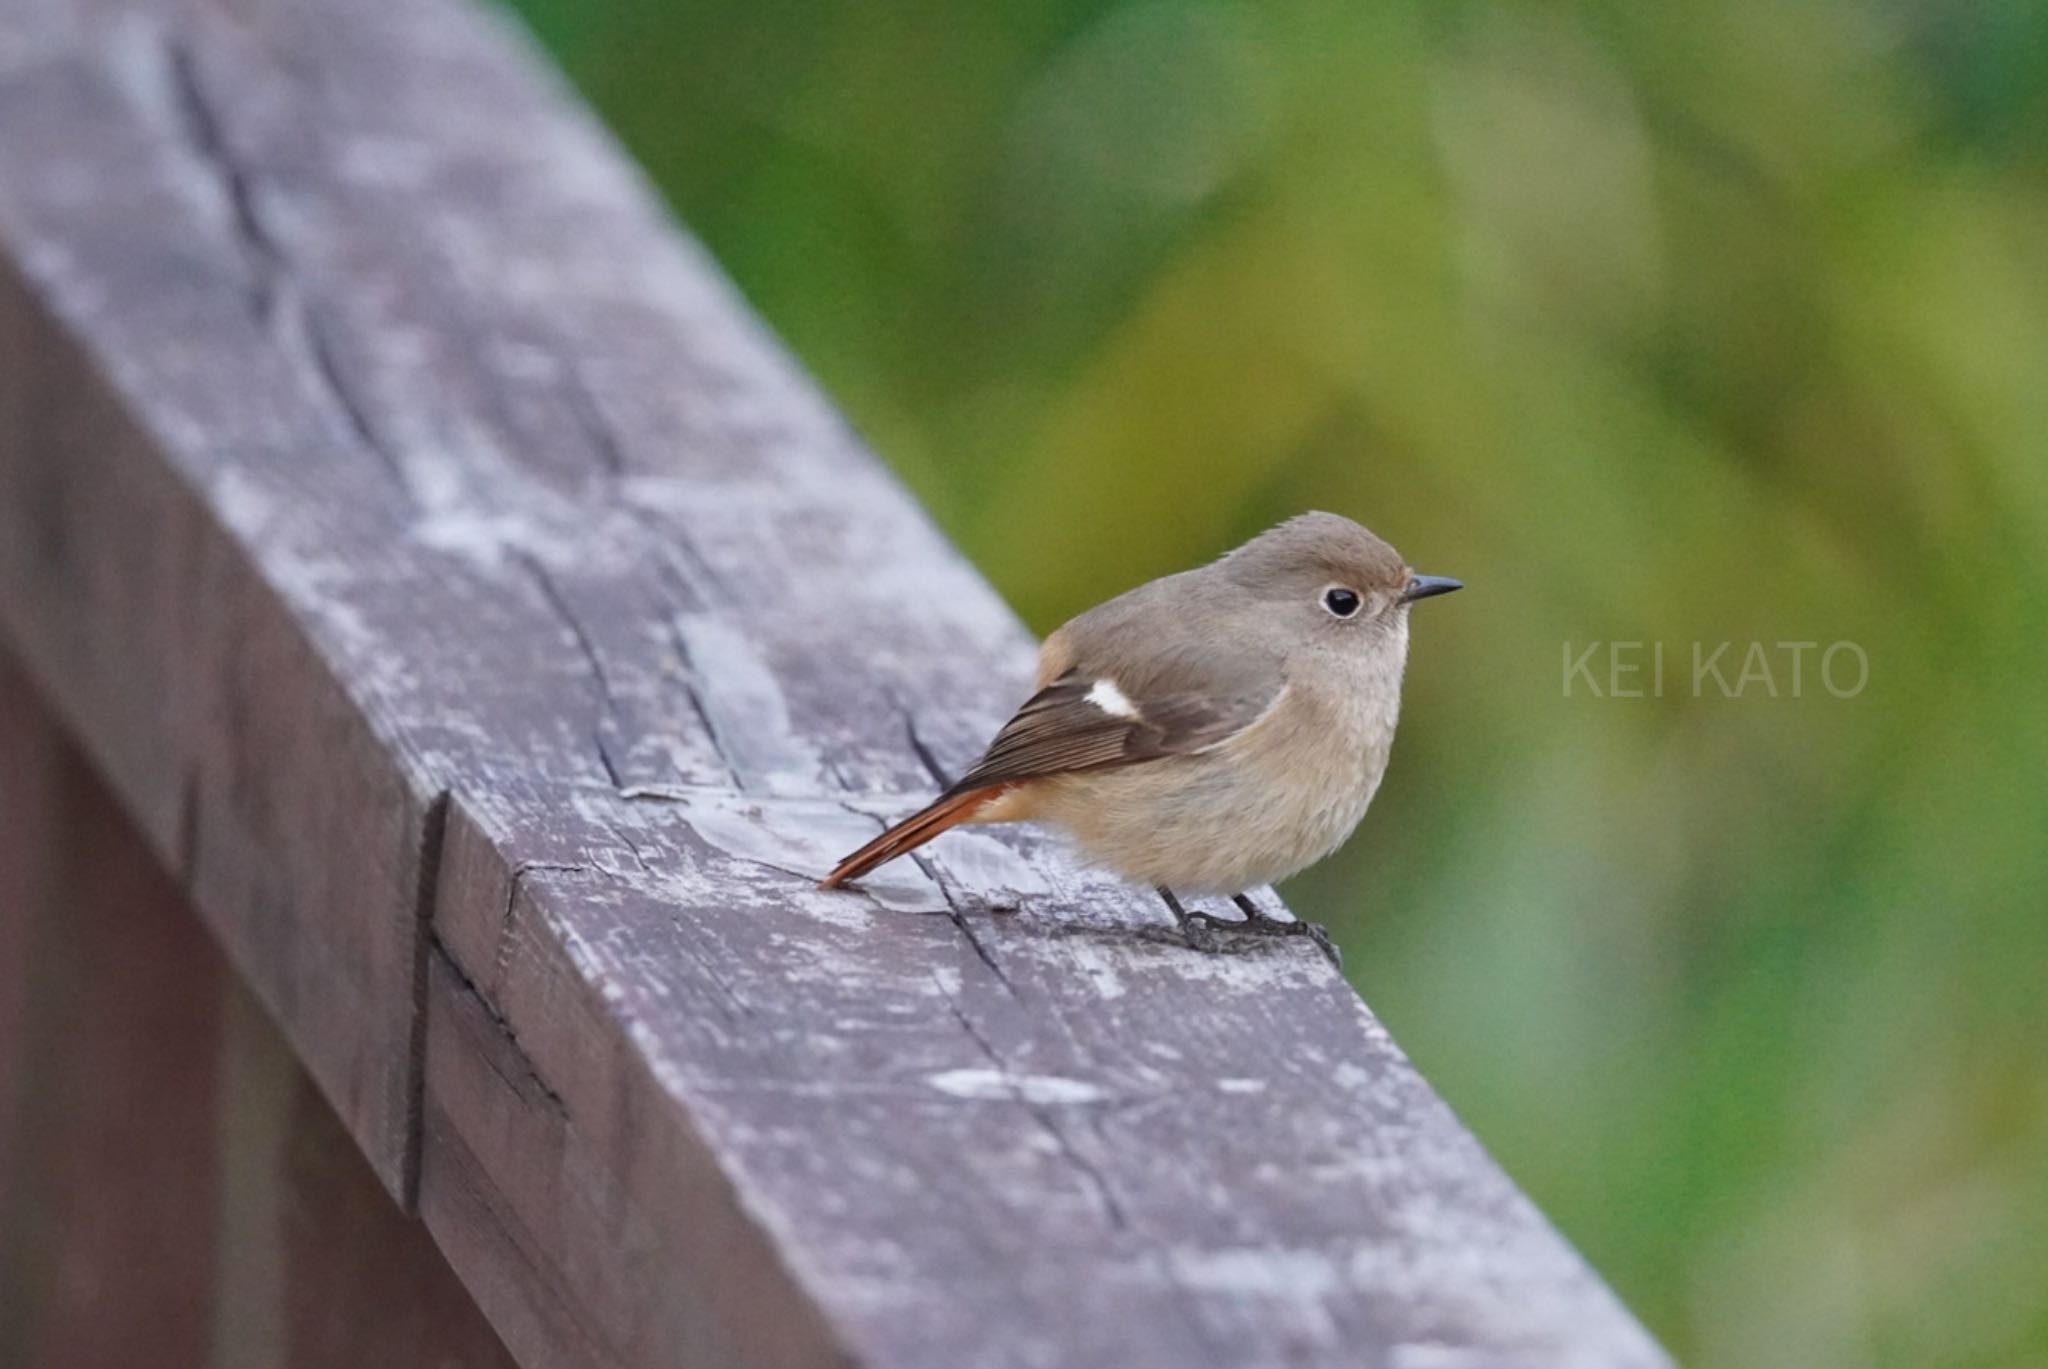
(1341,601)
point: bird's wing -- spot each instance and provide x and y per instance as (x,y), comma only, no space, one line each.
(1089,719)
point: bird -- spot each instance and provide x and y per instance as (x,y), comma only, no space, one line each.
(1208,732)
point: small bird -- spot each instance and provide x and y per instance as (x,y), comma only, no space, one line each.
(1207,732)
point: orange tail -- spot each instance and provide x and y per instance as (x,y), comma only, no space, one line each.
(909,834)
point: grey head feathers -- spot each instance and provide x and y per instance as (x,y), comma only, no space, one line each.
(1310,550)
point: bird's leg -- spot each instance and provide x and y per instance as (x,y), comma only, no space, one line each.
(1256,921)
(1252,914)
(1194,926)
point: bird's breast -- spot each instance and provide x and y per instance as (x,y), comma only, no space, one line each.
(1278,797)
(1319,776)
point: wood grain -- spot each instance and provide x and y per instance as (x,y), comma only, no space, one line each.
(174,1192)
(501,636)
(106,1195)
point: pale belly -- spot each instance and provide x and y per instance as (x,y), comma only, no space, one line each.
(1224,821)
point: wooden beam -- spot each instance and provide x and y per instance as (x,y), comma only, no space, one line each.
(499,635)
(173,1190)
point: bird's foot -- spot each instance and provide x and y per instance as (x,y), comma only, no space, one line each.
(1194,926)
(1259,924)
(1201,928)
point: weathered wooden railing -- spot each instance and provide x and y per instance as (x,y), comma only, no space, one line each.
(493,635)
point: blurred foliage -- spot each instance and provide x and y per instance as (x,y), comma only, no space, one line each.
(1725,321)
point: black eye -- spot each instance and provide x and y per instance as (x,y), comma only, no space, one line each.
(1341,601)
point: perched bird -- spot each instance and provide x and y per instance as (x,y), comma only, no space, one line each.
(1210,731)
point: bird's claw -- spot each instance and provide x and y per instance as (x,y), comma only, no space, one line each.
(1201,928)
(1209,925)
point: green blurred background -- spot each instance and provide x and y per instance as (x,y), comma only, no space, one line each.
(1658,323)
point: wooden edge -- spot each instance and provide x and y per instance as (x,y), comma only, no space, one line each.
(173,1189)
(209,707)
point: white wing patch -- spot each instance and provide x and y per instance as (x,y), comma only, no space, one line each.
(1106,696)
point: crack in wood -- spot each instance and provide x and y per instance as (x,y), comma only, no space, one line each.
(1112,1206)
(684,594)
(206,137)
(842,783)
(703,578)
(278,303)
(604,757)
(1092,1175)
(607,701)
(959,920)
(598,433)
(924,752)
(686,666)
(1098,1182)
(553,594)
(694,693)
(501,953)
(666,544)
(426,894)
(528,1077)
(273,298)
(625,839)
(341,394)
(674,793)
(711,731)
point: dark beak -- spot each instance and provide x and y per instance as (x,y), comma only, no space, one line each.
(1423,586)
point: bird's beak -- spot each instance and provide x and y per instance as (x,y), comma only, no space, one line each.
(1423,586)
